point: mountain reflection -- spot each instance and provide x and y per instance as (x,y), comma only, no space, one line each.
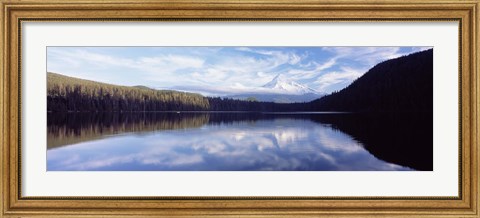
(229,141)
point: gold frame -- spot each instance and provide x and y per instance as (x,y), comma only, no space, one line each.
(14,12)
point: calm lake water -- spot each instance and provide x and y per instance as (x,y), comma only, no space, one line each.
(238,141)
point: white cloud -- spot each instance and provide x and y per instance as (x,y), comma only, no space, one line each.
(369,55)
(346,75)
(329,63)
(421,48)
(281,56)
(249,70)
(301,74)
(80,57)
(154,65)
(88,64)
(171,60)
(294,59)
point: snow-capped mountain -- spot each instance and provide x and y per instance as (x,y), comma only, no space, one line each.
(285,86)
(281,90)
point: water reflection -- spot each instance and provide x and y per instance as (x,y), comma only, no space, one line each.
(228,141)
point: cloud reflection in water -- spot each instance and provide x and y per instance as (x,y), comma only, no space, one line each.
(276,144)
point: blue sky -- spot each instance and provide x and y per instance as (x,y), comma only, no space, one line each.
(324,69)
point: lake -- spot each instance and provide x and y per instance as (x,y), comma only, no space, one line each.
(239,141)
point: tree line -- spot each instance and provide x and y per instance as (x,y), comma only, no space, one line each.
(72,94)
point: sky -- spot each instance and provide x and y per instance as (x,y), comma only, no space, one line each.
(220,69)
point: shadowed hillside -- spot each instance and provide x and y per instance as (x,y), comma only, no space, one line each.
(396,85)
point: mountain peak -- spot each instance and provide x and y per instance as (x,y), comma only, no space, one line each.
(282,84)
(279,77)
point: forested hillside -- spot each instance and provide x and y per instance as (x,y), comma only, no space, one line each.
(397,85)
(71,94)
